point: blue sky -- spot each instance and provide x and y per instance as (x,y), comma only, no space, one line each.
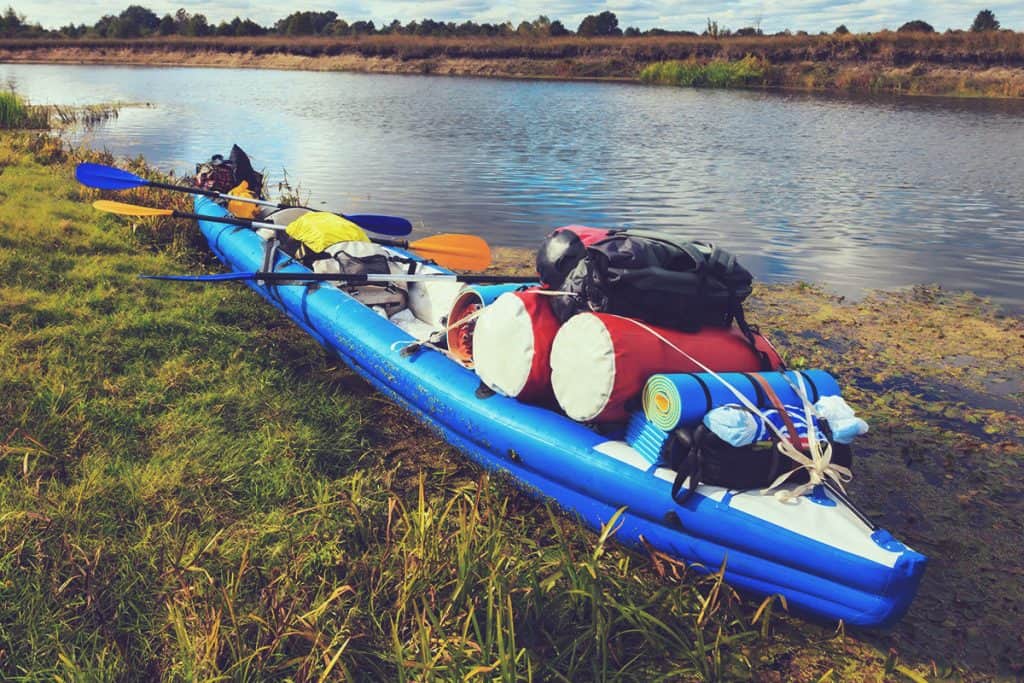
(773,15)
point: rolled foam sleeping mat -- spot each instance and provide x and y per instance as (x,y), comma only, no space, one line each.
(674,400)
(470,300)
(512,346)
(600,362)
(645,438)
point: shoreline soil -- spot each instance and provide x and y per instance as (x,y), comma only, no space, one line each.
(190,487)
(970,66)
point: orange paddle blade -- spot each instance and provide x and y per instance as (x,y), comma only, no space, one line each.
(458,252)
(129,209)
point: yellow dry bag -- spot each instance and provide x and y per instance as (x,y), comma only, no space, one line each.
(243,209)
(319,230)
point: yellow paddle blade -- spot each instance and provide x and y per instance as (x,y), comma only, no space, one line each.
(129,209)
(458,252)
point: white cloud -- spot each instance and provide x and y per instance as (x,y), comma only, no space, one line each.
(773,15)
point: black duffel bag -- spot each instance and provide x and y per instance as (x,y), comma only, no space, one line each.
(701,456)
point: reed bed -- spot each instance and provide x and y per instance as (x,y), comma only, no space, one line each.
(15,112)
(86,115)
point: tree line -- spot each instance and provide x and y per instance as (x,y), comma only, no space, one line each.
(136,21)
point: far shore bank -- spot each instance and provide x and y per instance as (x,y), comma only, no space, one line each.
(956,65)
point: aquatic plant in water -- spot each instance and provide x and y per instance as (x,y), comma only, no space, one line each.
(718,73)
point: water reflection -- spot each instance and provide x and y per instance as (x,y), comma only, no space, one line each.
(848,192)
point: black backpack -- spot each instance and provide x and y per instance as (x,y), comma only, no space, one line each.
(221,175)
(652,276)
(658,278)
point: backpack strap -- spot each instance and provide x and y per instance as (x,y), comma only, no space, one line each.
(776,402)
(721,261)
(749,331)
(687,463)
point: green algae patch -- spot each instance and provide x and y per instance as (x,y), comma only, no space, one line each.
(191,488)
(938,376)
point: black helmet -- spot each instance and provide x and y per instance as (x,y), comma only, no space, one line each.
(558,255)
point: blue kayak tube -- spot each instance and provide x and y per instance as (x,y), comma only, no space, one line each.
(815,551)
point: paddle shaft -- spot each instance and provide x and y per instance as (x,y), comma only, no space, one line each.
(352,278)
(215,194)
(112,178)
(369,222)
(229,220)
(245,223)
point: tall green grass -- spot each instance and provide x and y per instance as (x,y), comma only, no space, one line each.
(16,113)
(716,73)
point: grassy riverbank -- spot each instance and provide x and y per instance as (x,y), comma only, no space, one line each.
(190,487)
(989,64)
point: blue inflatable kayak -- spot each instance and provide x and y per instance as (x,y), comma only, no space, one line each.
(816,551)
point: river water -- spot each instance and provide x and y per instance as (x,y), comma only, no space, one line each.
(851,193)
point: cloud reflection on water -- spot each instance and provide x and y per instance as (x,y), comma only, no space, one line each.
(850,192)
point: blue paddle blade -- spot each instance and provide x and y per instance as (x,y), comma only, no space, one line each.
(382,225)
(216,277)
(107,177)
